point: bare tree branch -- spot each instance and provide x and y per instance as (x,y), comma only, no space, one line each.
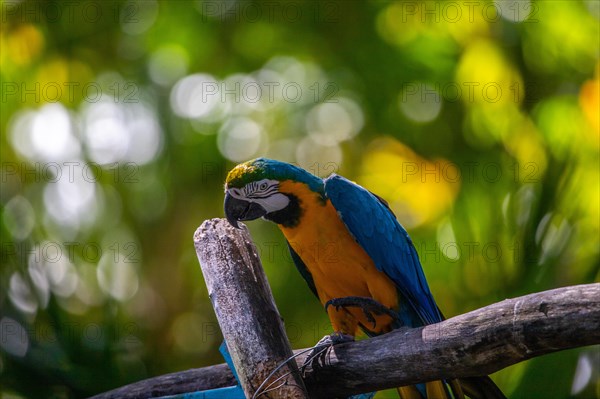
(473,344)
(193,380)
(476,343)
(242,299)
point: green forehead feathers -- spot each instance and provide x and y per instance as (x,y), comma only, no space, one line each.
(242,174)
(263,168)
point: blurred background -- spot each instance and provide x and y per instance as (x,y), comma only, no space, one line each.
(478,122)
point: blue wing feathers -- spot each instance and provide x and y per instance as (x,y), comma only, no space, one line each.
(375,228)
(303,270)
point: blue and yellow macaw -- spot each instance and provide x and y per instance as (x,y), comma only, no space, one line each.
(352,252)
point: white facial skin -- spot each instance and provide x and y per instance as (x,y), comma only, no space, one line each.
(263,192)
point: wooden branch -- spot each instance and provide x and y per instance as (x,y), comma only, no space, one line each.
(473,344)
(479,342)
(245,309)
(193,380)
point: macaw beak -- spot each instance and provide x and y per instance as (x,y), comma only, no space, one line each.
(237,209)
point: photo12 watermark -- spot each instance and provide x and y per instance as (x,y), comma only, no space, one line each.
(429,251)
(69,92)
(76,11)
(270,92)
(270,11)
(52,252)
(468,11)
(69,171)
(469,92)
(12,332)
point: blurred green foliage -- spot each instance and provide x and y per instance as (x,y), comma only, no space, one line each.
(477,121)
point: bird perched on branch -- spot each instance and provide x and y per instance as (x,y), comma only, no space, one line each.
(353,253)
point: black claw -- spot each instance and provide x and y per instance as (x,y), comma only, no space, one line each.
(318,352)
(370,317)
(369,306)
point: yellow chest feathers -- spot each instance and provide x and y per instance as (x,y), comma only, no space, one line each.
(338,265)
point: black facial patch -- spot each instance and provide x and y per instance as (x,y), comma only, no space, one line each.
(288,216)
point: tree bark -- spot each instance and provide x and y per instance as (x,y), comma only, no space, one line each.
(473,344)
(242,299)
(193,380)
(480,342)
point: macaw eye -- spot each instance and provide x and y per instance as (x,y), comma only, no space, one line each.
(264,186)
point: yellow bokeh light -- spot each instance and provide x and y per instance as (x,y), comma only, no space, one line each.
(402,22)
(563,125)
(65,81)
(487,77)
(589,101)
(557,23)
(21,46)
(492,90)
(418,190)
(525,144)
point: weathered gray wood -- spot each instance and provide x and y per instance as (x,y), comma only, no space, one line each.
(479,342)
(245,309)
(473,344)
(193,380)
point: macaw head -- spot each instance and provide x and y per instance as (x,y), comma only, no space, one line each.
(257,189)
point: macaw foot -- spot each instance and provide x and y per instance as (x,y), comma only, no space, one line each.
(318,352)
(369,306)
(334,339)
